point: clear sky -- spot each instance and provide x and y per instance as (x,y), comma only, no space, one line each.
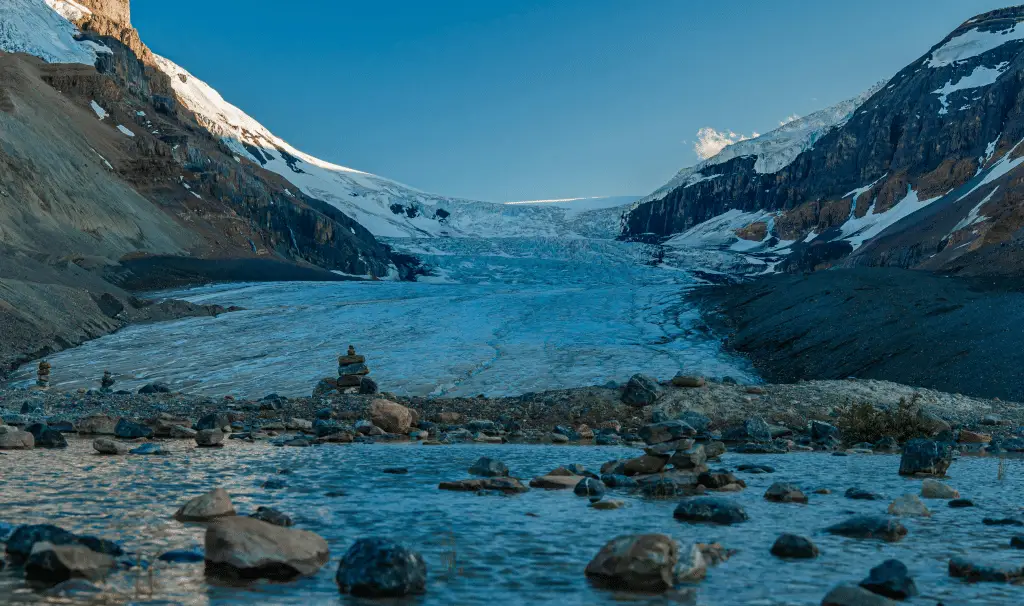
(525,99)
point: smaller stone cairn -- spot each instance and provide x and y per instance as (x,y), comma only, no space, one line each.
(352,376)
(43,374)
(106,382)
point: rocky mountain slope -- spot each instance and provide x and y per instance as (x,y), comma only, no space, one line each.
(919,172)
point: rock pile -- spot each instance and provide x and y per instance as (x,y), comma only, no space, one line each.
(353,376)
(43,374)
(107,381)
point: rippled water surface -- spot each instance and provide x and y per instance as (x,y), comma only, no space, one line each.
(529,548)
(503,317)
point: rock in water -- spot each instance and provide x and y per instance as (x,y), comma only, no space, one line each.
(501,484)
(710,509)
(106,446)
(926,457)
(390,416)
(56,563)
(45,437)
(794,546)
(891,579)
(589,487)
(378,568)
(212,505)
(247,548)
(852,595)
(780,492)
(641,391)
(644,562)
(22,540)
(209,438)
(870,527)
(909,505)
(15,439)
(934,489)
(970,570)
(488,468)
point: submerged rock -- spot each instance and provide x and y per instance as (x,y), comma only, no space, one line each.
(908,505)
(934,489)
(668,431)
(209,506)
(794,546)
(589,487)
(852,595)
(248,548)
(781,492)
(183,556)
(271,516)
(710,509)
(377,568)
(869,527)
(859,494)
(150,448)
(488,468)
(502,484)
(967,568)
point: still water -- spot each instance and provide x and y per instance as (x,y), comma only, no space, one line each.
(487,549)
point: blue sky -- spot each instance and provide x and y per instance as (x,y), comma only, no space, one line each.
(520,99)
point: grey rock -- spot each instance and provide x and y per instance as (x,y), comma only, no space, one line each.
(794,546)
(710,509)
(376,568)
(891,579)
(641,391)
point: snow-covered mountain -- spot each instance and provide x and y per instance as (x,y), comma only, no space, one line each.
(920,171)
(385,207)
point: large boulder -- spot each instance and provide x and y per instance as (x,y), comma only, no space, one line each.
(926,457)
(641,391)
(781,492)
(209,438)
(909,506)
(103,425)
(46,437)
(644,465)
(206,507)
(376,568)
(710,509)
(15,439)
(53,564)
(589,487)
(24,538)
(213,420)
(869,527)
(390,416)
(247,548)
(965,567)
(645,562)
(934,489)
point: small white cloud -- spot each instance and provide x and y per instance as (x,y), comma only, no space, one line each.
(711,141)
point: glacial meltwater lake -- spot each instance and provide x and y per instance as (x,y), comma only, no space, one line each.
(501,317)
(525,549)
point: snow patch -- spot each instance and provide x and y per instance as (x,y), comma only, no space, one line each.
(974,216)
(100,112)
(981,76)
(1003,166)
(858,230)
(972,43)
(125,130)
(720,231)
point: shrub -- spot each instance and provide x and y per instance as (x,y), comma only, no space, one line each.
(867,423)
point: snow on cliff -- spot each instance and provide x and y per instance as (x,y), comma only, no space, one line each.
(41,28)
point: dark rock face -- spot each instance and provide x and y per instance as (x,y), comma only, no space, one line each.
(926,457)
(904,136)
(589,487)
(46,437)
(376,568)
(891,579)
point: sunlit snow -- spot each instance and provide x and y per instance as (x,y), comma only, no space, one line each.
(125,130)
(972,43)
(100,112)
(37,28)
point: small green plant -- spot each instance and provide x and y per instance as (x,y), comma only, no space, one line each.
(1001,474)
(867,423)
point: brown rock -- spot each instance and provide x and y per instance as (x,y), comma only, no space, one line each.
(644,465)
(212,505)
(685,381)
(15,439)
(243,547)
(56,563)
(970,437)
(346,360)
(97,425)
(505,484)
(637,562)
(555,482)
(390,416)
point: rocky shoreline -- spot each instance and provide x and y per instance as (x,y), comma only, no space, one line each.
(680,429)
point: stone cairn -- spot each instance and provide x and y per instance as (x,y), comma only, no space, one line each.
(43,374)
(107,381)
(351,369)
